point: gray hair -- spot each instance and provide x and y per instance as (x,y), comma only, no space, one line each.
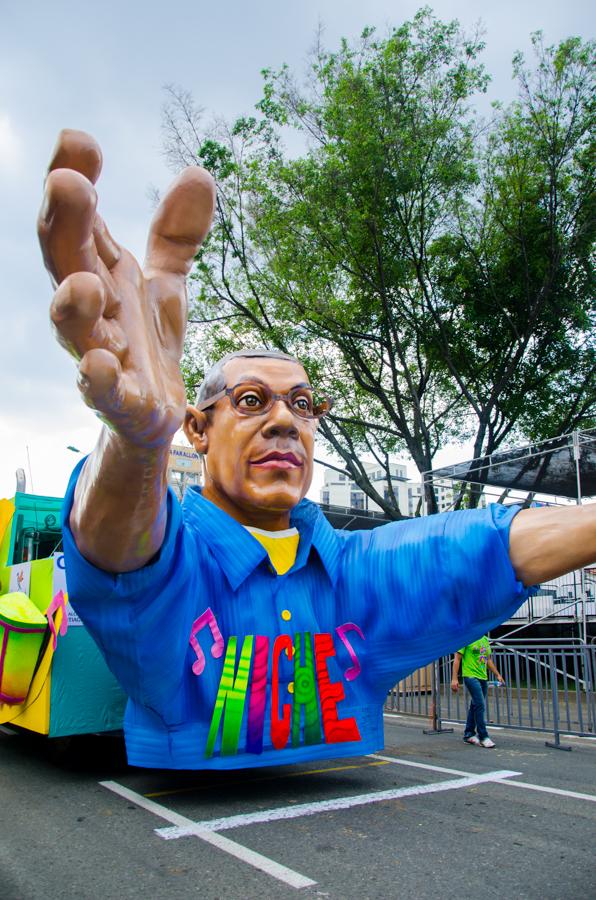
(215,379)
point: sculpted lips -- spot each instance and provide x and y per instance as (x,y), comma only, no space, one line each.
(277,460)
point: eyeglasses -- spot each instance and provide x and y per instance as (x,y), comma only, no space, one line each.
(256,399)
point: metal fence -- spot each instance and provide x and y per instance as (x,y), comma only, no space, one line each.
(572,596)
(548,687)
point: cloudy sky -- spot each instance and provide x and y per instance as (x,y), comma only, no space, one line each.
(102,68)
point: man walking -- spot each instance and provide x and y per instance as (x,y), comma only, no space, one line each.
(476,659)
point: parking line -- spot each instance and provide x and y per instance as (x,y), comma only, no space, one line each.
(311,809)
(550,790)
(417,765)
(257,860)
(452,722)
(522,784)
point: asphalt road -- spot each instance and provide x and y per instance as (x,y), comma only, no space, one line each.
(427,817)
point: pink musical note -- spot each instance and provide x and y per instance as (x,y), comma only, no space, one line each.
(58,602)
(354,670)
(206,618)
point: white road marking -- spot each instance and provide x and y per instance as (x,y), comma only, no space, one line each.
(461,724)
(257,860)
(417,765)
(311,809)
(550,790)
(522,784)
(579,737)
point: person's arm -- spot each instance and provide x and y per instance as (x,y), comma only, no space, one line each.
(125,326)
(119,513)
(550,541)
(490,664)
(455,672)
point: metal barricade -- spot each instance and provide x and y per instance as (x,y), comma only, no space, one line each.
(548,687)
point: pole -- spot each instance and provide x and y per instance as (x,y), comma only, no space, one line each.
(582,583)
(435,707)
(554,682)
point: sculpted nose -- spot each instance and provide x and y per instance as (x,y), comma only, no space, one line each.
(280,420)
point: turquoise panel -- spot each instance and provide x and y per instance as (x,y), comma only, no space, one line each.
(85,696)
(39,514)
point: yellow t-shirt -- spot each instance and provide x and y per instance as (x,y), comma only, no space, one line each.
(282,546)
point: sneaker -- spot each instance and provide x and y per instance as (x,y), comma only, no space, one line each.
(472,740)
(486,742)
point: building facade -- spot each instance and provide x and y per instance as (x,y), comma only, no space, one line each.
(339,490)
(444,495)
(184,468)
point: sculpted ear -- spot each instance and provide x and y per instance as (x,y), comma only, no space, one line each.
(195,423)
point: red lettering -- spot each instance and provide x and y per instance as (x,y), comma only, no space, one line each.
(280,727)
(336,730)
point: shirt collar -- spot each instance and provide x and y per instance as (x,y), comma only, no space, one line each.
(239,554)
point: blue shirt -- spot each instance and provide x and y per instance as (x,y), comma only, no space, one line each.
(229,665)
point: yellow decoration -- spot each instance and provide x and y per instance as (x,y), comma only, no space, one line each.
(282,547)
(7,508)
(34,712)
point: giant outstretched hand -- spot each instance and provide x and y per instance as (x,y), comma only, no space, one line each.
(124,324)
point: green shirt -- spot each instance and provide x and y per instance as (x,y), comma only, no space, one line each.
(474,658)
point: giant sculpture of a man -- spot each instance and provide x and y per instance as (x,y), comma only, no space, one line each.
(245,630)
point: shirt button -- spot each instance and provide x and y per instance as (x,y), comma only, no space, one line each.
(286,615)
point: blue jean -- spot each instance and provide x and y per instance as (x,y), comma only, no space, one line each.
(476,721)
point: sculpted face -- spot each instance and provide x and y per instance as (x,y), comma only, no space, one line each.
(257,468)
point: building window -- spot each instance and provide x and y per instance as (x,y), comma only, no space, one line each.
(357,500)
(324,496)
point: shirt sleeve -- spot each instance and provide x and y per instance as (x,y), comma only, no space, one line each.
(424,587)
(140,620)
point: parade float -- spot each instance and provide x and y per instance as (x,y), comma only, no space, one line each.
(53,680)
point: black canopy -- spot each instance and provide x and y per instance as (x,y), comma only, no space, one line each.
(348,519)
(547,467)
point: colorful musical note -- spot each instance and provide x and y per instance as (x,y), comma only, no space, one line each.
(58,602)
(354,670)
(206,618)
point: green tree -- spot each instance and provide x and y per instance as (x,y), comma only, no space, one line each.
(519,269)
(404,257)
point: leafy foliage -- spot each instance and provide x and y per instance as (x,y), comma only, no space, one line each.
(434,274)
